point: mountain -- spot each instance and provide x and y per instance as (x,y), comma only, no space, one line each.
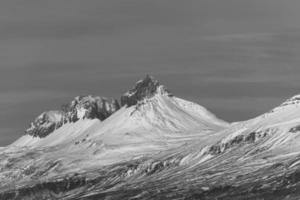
(255,159)
(153,145)
(148,112)
(273,129)
(82,107)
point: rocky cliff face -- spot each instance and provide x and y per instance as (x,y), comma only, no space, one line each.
(90,107)
(145,88)
(45,123)
(82,107)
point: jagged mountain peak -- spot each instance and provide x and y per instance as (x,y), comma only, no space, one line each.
(144,88)
(82,107)
(45,123)
(91,107)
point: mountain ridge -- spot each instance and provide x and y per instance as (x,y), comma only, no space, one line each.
(82,107)
(95,107)
(156,146)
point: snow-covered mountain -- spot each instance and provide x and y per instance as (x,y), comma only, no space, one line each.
(153,145)
(82,107)
(149,112)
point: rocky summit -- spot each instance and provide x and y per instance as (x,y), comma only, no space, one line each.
(145,88)
(90,107)
(82,107)
(46,123)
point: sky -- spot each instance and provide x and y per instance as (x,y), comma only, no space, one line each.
(238,58)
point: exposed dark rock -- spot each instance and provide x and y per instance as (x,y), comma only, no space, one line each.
(295,129)
(90,107)
(252,137)
(83,107)
(215,149)
(145,88)
(45,123)
(45,190)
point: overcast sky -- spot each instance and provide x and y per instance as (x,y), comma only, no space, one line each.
(238,58)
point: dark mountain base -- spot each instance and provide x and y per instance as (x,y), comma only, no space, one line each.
(169,182)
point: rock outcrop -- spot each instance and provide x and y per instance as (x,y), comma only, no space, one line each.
(45,123)
(82,107)
(94,107)
(145,88)
(90,107)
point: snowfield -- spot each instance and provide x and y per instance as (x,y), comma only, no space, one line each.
(158,146)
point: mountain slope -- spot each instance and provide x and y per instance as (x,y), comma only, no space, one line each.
(150,121)
(149,112)
(255,159)
(274,128)
(158,146)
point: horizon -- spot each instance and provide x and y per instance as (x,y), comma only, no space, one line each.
(238,63)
